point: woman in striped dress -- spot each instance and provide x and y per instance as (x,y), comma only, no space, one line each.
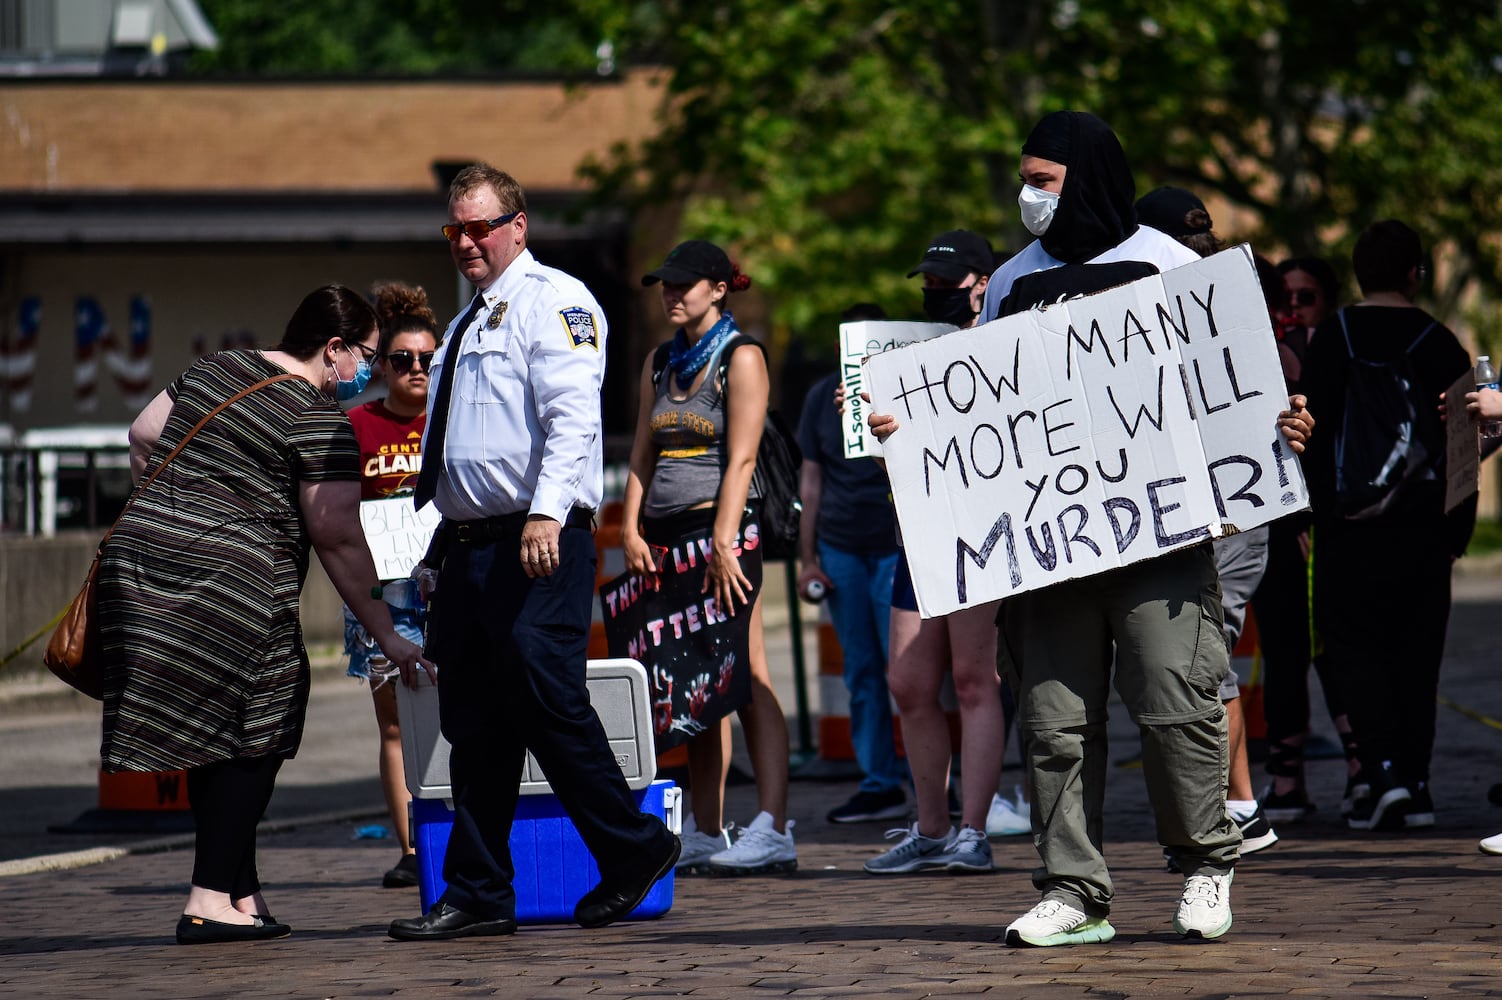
(199,586)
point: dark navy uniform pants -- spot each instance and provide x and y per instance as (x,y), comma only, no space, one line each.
(511,655)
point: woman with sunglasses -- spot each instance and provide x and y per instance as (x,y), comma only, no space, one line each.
(390,435)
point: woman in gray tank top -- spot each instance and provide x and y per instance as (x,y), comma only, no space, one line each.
(690,525)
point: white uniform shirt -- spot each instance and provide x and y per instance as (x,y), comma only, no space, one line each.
(524,428)
(1146,244)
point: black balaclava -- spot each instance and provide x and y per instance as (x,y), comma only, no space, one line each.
(1096,210)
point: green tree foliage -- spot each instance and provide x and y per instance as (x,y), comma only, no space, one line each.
(827,140)
(392,37)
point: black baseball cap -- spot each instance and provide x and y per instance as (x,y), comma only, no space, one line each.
(691,260)
(1167,210)
(954,254)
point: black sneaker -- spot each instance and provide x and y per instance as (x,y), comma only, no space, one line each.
(1420,812)
(867,807)
(1384,807)
(1289,807)
(1256,831)
(403,875)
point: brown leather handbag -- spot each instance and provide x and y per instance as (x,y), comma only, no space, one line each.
(75,654)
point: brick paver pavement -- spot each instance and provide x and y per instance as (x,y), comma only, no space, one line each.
(1324,913)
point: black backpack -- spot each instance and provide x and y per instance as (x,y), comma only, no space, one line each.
(1378,447)
(779,462)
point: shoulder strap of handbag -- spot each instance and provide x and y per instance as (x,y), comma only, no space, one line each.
(188,437)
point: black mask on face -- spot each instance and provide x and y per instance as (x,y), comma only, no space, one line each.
(948,305)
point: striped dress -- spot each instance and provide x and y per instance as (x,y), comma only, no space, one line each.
(199,584)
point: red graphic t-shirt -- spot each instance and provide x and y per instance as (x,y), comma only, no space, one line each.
(390,449)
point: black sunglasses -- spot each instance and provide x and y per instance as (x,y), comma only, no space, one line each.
(401,361)
(1304,296)
(479,228)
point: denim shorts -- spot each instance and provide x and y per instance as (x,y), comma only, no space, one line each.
(903,595)
(407,615)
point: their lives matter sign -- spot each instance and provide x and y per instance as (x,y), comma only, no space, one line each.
(857,342)
(397,534)
(1087,435)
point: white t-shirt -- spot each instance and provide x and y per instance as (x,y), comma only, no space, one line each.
(1146,244)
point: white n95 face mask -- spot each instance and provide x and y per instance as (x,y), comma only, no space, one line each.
(1037,208)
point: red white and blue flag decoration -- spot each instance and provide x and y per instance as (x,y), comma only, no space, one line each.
(18,356)
(132,367)
(90,327)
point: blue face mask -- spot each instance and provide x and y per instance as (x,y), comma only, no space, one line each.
(349,390)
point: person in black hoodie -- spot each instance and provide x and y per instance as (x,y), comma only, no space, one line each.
(1161,617)
(1382,580)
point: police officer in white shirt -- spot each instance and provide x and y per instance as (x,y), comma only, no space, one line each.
(512,456)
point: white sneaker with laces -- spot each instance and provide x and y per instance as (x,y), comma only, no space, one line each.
(1054,922)
(758,850)
(1205,908)
(1009,817)
(697,848)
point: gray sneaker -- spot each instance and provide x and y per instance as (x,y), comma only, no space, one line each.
(914,852)
(969,851)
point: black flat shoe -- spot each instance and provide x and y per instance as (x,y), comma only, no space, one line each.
(402,875)
(610,901)
(444,921)
(202,930)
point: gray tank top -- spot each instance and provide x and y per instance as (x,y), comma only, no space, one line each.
(689,435)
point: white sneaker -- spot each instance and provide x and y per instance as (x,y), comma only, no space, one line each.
(1205,908)
(698,848)
(1054,922)
(758,850)
(1008,818)
(1492,845)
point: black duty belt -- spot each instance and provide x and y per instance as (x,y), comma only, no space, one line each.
(490,529)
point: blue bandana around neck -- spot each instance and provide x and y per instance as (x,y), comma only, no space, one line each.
(685,360)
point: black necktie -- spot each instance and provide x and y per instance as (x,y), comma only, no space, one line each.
(432,452)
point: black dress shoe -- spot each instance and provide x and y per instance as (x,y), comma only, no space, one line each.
(202,930)
(611,900)
(444,921)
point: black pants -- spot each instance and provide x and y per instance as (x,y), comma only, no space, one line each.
(511,656)
(1281,604)
(1381,604)
(228,799)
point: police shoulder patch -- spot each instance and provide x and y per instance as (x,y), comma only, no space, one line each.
(579,323)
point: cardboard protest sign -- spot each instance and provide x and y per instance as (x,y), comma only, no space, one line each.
(1087,435)
(397,533)
(697,655)
(861,340)
(1462,444)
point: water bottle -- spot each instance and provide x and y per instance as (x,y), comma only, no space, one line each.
(1486,378)
(814,591)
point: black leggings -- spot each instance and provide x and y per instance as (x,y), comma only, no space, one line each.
(228,799)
